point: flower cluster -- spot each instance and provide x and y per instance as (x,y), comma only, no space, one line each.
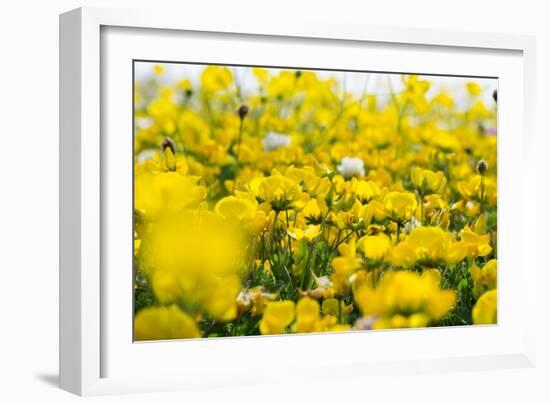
(302,207)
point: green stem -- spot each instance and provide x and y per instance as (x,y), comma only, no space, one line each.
(398,231)
(273,230)
(421,209)
(306,267)
(288,236)
(340,242)
(482,195)
(239,138)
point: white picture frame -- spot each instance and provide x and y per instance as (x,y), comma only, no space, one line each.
(88,349)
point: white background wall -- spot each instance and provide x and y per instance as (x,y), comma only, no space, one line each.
(29,201)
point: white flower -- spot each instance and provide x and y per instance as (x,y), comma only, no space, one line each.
(145,155)
(143,123)
(273,141)
(351,166)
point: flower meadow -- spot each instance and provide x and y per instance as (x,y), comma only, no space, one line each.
(295,205)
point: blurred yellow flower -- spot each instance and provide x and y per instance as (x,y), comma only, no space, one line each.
(215,78)
(233,207)
(403,255)
(484,278)
(158,69)
(307,316)
(375,247)
(164,323)
(473,88)
(485,309)
(348,261)
(406,294)
(195,258)
(278,315)
(163,194)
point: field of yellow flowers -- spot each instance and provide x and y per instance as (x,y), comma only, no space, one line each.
(301,207)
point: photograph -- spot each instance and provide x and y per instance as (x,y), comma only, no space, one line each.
(277,200)
(221,201)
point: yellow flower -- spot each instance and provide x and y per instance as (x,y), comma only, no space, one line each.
(375,247)
(158,69)
(347,262)
(470,189)
(405,293)
(163,111)
(473,88)
(473,189)
(377,209)
(400,206)
(403,255)
(242,209)
(307,316)
(163,194)
(232,207)
(215,78)
(484,279)
(485,309)
(312,209)
(331,306)
(311,232)
(432,274)
(433,244)
(282,85)
(400,321)
(426,181)
(445,141)
(366,191)
(443,99)
(221,303)
(380,176)
(479,111)
(184,85)
(279,191)
(414,87)
(164,323)
(278,315)
(261,74)
(476,245)
(195,258)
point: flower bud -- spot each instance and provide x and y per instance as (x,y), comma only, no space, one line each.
(169,159)
(169,149)
(495,95)
(481,167)
(169,143)
(242,111)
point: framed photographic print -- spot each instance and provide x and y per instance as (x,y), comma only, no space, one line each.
(241,200)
